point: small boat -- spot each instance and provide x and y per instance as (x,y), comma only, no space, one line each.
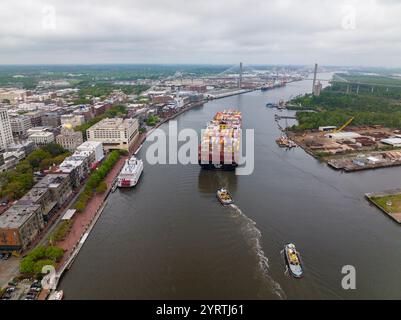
(293,260)
(224,196)
(114,188)
(284,142)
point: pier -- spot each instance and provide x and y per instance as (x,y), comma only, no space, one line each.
(278,117)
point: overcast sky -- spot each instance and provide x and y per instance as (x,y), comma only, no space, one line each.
(352,32)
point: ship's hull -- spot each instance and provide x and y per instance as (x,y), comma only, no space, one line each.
(224,167)
(129,182)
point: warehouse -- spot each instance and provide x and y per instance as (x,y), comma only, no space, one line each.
(395,142)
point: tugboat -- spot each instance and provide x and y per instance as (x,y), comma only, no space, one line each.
(284,142)
(293,260)
(224,197)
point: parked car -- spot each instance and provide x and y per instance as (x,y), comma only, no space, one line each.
(36,285)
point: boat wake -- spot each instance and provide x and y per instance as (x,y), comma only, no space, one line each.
(286,271)
(253,237)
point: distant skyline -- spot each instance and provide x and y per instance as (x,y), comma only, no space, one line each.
(343,33)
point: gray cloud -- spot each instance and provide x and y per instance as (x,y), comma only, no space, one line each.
(207,31)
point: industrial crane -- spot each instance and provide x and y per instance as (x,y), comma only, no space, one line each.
(344,125)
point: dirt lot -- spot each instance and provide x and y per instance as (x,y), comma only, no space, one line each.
(319,144)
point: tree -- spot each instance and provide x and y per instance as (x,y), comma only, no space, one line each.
(54,149)
(101,188)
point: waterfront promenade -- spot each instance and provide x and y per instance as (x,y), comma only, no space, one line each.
(83,220)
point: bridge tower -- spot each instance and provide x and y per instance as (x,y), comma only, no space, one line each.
(240,76)
(314,79)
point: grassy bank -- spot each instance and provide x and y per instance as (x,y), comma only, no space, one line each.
(390,203)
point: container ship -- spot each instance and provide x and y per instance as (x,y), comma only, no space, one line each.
(272,85)
(220,142)
(130,173)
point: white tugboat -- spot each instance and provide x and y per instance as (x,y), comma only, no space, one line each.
(293,260)
(130,173)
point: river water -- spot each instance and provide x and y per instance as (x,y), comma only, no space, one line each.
(169,238)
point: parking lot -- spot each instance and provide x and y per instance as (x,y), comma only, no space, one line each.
(25,289)
(8,269)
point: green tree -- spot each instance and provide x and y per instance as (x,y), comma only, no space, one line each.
(101,188)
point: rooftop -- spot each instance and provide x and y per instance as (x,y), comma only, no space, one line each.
(41,134)
(17,215)
(33,195)
(89,145)
(51,181)
(114,124)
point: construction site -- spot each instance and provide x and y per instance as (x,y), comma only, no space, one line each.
(356,148)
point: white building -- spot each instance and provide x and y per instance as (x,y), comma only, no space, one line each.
(42,138)
(95,146)
(342,135)
(20,124)
(6,134)
(115,134)
(395,142)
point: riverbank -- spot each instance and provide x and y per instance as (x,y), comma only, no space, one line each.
(388,202)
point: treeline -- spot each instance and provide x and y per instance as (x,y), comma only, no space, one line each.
(152,120)
(335,108)
(39,257)
(105,89)
(96,183)
(15,183)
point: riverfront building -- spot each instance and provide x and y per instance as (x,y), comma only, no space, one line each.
(19,226)
(115,134)
(94,146)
